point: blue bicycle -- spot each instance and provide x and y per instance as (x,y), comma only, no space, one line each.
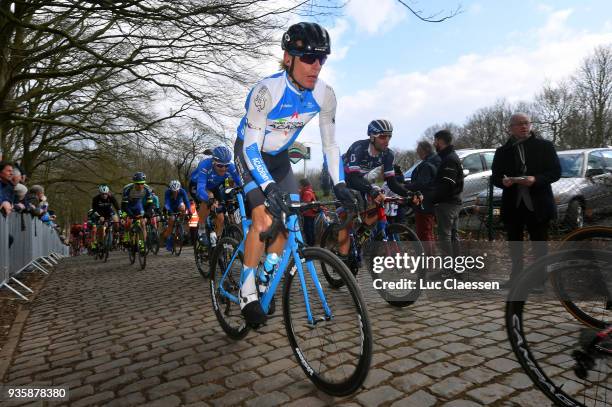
(328,330)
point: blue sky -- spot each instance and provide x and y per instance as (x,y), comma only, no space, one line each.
(385,63)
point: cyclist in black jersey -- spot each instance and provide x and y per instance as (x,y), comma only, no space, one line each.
(102,205)
(362,157)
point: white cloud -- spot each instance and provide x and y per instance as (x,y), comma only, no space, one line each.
(375,16)
(555,26)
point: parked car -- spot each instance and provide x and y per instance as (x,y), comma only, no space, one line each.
(476,169)
(584,190)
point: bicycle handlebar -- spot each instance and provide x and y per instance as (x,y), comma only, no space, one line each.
(278,225)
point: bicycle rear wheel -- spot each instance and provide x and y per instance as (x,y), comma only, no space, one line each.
(544,339)
(329,241)
(227,310)
(593,313)
(335,351)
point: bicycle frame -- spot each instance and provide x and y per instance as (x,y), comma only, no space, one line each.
(291,250)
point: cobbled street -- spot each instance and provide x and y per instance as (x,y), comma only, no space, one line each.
(119,336)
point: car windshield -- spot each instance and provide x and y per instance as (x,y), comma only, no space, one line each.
(571,165)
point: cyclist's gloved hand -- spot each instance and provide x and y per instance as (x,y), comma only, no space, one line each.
(277,200)
(345,196)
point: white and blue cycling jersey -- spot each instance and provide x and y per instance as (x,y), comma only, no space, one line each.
(276,113)
(207,178)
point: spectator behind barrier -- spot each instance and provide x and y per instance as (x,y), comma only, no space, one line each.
(6,188)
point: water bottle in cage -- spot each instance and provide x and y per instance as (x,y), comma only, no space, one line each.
(266,270)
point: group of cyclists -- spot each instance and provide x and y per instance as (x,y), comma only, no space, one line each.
(277,109)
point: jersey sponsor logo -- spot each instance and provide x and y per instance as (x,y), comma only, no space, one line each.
(260,167)
(260,99)
(286,106)
(284,124)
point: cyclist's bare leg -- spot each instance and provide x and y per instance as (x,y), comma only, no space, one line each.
(219,219)
(253,249)
(168,229)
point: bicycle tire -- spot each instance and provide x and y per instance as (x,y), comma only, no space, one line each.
(329,242)
(583,234)
(233,325)
(108,244)
(178,239)
(200,253)
(153,238)
(550,363)
(405,234)
(132,247)
(234,231)
(142,251)
(310,355)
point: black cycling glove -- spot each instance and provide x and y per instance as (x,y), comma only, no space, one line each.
(345,196)
(277,200)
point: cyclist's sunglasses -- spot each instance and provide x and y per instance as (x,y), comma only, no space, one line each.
(310,59)
(383,135)
(219,165)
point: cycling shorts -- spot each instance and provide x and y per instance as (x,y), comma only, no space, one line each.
(279,168)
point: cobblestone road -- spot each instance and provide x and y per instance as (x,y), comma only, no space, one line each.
(120,336)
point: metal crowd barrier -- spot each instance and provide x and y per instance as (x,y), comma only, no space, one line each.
(35,246)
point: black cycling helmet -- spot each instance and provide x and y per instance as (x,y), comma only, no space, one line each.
(306,38)
(139,178)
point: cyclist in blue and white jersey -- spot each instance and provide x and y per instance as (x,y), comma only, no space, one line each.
(207,181)
(362,157)
(277,109)
(136,198)
(175,200)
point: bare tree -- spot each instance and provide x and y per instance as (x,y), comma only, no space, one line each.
(77,70)
(436,17)
(594,92)
(553,107)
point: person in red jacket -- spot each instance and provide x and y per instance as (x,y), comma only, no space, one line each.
(308,195)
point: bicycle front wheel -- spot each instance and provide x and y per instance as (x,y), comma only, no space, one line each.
(200,252)
(178,239)
(595,313)
(400,240)
(545,340)
(141,249)
(334,350)
(225,287)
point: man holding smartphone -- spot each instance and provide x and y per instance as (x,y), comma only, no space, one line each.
(525,167)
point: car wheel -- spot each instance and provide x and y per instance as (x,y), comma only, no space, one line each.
(575,215)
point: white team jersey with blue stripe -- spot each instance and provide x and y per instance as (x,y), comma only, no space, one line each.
(276,113)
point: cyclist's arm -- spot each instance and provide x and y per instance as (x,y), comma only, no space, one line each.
(355,180)
(167,197)
(114,202)
(202,183)
(327,126)
(234,173)
(259,105)
(185,199)
(389,174)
